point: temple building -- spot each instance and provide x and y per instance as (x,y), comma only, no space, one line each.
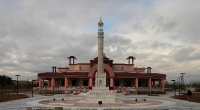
(119,76)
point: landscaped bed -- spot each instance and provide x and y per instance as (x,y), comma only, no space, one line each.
(4,98)
(195,97)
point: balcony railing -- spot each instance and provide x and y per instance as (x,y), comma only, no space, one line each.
(143,88)
(156,89)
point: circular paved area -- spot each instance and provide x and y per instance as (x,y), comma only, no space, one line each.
(124,102)
(80,102)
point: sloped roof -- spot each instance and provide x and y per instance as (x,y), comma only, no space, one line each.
(63,74)
(127,74)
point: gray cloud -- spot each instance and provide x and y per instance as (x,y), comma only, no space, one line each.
(166,27)
(36,36)
(195,55)
(162,45)
(185,53)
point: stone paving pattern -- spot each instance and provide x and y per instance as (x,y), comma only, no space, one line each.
(168,103)
(81,103)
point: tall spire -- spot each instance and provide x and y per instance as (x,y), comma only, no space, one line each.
(100,91)
(100,47)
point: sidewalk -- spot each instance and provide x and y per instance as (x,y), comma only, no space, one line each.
(168,102)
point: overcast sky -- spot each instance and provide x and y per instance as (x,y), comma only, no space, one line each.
(37,34)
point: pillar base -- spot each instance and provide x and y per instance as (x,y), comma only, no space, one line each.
(65,88)
(111,88)
(100,94)
(52,88)
(40,88)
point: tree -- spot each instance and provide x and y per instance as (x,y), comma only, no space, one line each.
(169,85)
(196,85)
(5,81)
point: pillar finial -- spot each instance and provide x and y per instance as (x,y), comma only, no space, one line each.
(100,23)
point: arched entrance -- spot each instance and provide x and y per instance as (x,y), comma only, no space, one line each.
(109,74)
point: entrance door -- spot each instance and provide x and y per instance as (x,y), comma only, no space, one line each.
(74,83)
(116,82)
(85,82)
(128,83)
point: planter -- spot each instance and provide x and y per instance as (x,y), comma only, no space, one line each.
(74,92)
(115,91)
(85,90)
(126,92)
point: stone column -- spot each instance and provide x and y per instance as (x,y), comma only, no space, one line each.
(40,84)
(136,84)
(66,83)
(111,83)
(163,85)
(150,85)
(90,83)
(52,83)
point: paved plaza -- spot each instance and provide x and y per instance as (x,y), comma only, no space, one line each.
(161,102)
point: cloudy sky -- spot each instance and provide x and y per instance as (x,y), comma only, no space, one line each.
(37,34)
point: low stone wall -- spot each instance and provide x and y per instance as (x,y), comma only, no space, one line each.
(56,108)
(191,89)
(133,92)
(157,92)
(51,92)
(152,92)
(143,92)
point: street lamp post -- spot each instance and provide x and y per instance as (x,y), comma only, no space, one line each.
(32,87)
(182,82)
(27,84)
(174,88)
(17,82)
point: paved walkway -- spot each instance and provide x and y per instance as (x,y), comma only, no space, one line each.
(168,103)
